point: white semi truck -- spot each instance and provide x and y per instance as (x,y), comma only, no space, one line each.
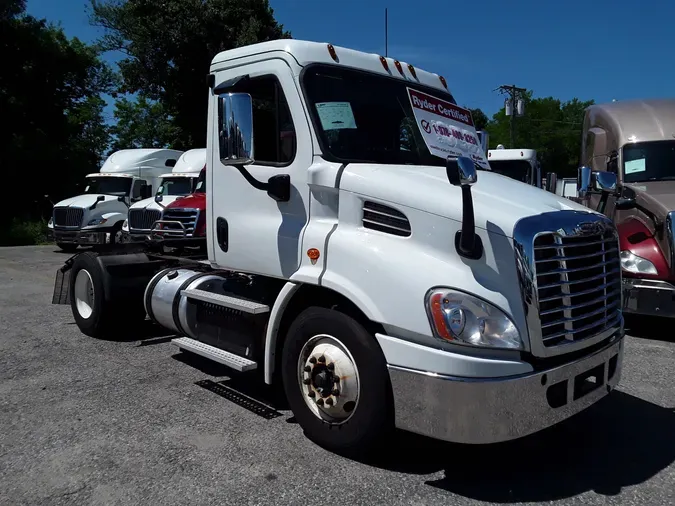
(518,164)
(362,253)
(96,217)
(179,183)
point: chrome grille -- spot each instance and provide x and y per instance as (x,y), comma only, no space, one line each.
(68,216)
(143,219)
(385,219)
(571,279)
(188,217)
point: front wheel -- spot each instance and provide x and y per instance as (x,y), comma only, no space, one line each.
(336,381)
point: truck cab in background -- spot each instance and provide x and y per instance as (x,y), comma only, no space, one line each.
(96,217)
(180,182)
(361,252)
(518,164)
(183,222)
(634,142)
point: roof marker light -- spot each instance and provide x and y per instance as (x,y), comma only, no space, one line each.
(412,71)
(383,60)
(398,67)
(333,54)
(445,85)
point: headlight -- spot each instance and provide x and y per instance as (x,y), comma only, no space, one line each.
(96,221)
(465,319)
(125,225)
(50,223)
(635,264)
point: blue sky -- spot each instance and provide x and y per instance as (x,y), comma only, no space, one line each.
(590,49)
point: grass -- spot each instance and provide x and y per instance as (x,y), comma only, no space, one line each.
(24,233)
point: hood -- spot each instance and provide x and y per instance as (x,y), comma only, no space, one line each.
(194,201)
(85,201)
(150,203)
(657,196)
(498,201)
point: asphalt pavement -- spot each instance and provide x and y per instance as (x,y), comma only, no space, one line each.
(134,421)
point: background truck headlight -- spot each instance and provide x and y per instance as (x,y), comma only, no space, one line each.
(635,264)
(462,318)
(96,221)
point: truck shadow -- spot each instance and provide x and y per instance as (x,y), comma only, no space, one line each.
(619,442)
(649,327)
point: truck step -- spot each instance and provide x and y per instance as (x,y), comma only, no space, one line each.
(248,306)
(216,354)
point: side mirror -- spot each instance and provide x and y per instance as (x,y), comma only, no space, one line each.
(604,182)
(100,198)
(146,191)
(159,198)
(461,172)
(551,182)
(235,119)
(624,204)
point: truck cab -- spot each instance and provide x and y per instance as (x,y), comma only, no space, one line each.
(183,221)
(634,141)
(361,253)
(180,182)
(518,164)
(96,217)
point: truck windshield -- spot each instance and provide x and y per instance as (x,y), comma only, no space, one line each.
(176,186)
(649,161)
(520,170)
(371,119)
(109,185)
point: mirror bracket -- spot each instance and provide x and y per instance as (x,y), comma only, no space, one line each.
(277,187)
(100,198)
(461,172)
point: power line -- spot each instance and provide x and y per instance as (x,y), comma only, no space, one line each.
(514,94)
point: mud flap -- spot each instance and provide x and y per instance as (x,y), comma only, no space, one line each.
(61,293)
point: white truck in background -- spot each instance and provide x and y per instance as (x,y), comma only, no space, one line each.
(179,183)
(96,216)
(361,252)
(518,164)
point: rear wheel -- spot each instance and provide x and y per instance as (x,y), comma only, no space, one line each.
(66,246)
(95,316)
(336,381)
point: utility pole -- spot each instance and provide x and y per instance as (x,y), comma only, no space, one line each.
(514,105)
(386,32)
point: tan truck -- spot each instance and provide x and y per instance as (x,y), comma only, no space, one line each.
(636,141)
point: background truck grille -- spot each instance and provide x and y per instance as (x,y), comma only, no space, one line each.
(143,219)
(68,216)
(570,278)
(188,217)
(578,285)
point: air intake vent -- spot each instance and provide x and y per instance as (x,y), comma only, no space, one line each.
(385,219)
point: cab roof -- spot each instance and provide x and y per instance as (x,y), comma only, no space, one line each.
(306,52)
(634,120)
(498,155)
(128,160)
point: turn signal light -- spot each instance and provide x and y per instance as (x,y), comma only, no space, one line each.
(439,318)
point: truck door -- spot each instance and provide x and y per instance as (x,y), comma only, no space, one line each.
(251,231)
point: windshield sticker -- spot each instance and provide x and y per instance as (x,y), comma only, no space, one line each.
(634,166)
(447,129)
(336,115)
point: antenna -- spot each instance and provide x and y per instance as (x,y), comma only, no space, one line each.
(386,31)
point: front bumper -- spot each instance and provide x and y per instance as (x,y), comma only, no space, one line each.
(82,236)
(490,410)
(649,297)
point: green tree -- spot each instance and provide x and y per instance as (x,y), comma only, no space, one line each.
(550,126)
(50,98)
(480,119)
(142,123)
(168,49)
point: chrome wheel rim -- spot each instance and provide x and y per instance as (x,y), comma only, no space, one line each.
(84,294)
(328,378)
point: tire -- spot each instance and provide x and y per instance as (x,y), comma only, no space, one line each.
(370,418)
(95,316)
(67,247)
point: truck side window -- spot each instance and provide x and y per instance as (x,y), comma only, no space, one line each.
(273,131)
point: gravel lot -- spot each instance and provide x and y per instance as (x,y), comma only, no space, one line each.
(134,421)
